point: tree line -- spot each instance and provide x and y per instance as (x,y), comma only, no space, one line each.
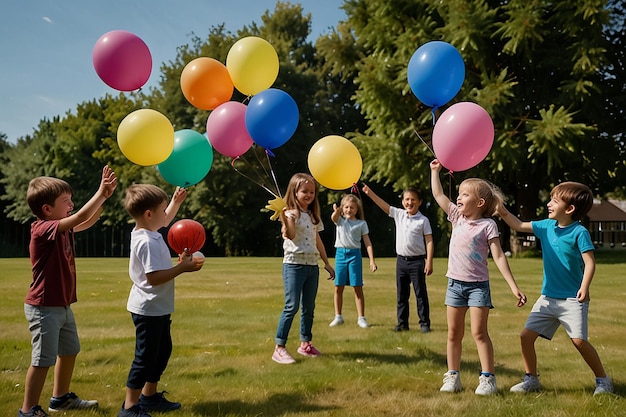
(550,74)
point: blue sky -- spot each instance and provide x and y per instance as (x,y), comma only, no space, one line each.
(46,46)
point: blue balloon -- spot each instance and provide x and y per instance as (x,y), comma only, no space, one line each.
(190,161)
(271,118)
(436,73)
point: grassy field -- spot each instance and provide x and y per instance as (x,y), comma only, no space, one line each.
(224,325)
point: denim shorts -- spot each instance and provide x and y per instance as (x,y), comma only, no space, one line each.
(468,294)
(53,333)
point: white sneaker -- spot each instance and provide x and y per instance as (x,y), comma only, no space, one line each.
(362,323)
(603,386)
(281,356)
(451,382)
(338,321)
(486,385)
(529,384)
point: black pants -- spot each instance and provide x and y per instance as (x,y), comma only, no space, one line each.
(153,348)
(411,271)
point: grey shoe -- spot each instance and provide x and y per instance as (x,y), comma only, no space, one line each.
(529,384)
(35,411)
(603,386)
(70,401)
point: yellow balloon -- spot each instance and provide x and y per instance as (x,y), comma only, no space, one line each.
(146,137)
(252,63)
(335,162)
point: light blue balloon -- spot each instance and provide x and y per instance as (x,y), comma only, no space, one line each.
(190,161)
(272,118)
(436,73)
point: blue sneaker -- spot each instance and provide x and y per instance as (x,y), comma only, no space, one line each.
(134,411)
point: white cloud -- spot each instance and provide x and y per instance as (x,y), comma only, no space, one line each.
(47,19)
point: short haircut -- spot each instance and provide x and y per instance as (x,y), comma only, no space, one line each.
(142,197)
(575,194)
(45,190)
(413,190)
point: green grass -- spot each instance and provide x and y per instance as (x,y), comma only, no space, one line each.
(224,325)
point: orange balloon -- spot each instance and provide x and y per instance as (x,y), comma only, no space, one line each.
(206,83)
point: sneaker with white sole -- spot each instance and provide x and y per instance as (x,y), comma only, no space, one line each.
(486,385)
(451,382)
(603,386)
(338,321)
(281,356)
(70,401)
(362,322)
(309,350)
(529,384)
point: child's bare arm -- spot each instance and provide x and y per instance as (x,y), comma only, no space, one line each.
(384,206)
(435,184)
(108,183)
(370,252)
(336,213)
(186,264)
(503,266)
(172,208)
(513,222)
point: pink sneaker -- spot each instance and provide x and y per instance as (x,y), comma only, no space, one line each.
(309,350)
(281,356)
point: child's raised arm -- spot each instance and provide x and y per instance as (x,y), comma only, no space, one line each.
(172,208)
(88,214)
(435,184)
(513,222)
(384,206)
(336,213)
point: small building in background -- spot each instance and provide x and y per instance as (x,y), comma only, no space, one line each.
(607,223)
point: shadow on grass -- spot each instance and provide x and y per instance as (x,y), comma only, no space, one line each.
(276,405)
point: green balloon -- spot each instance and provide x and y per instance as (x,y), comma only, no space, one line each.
(190,161)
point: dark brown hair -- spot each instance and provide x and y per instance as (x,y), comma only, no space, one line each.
(45,190)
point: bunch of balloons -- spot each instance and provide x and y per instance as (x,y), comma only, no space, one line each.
(271,116)
(463,135)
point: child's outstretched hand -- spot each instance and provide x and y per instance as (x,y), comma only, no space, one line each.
(435,165)
(179,195)
(108,182)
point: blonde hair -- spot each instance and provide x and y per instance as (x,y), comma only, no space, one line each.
(575,194)
(296,181)
(45,190)
(491,194)
(351,198)
(142,197)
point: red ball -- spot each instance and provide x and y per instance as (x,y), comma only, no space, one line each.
(186,234)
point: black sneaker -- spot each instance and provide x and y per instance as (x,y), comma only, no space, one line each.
(134,411)
(36,411)
(157,402)
(401,328)
(70,401)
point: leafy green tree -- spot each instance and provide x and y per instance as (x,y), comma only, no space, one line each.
(544,87)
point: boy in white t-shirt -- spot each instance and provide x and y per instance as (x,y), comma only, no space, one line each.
(151,298)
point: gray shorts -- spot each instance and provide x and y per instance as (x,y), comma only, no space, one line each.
(53,331)
(549,313)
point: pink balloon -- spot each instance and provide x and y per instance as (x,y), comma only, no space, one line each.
(463,136)
(226,129)
(122,60)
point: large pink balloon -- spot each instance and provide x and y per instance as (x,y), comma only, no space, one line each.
(122,60)
(463,136)
(226,129)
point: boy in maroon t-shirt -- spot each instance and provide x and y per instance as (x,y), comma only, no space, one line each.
(53,290)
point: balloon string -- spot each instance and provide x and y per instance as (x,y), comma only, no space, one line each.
(424,142)
(432,112)
(259,183)
(269,153)
(451,177)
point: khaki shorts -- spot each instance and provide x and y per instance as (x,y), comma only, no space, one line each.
(549,313)
(53,331)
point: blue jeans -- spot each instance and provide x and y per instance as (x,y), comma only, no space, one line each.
(153,347)
(300,284)
(411,272)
